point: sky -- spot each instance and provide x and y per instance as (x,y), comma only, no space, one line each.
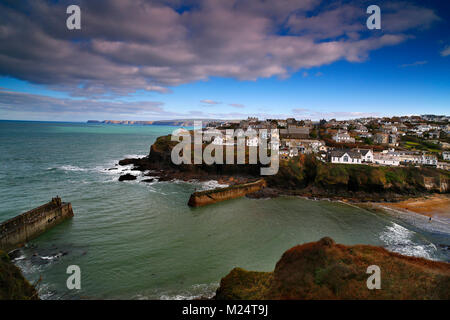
(222,59)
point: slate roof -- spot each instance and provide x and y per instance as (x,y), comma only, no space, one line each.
(340,153)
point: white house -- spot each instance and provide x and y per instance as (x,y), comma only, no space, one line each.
(430,160)
(385,159)
(366,154)
(343,137)
(345,156)
(223,141)
(446,155)
(293,152)
(443,166)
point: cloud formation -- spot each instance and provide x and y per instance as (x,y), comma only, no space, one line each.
(417,63)
(27,102)
(446,51)
(210,102)
(129,45)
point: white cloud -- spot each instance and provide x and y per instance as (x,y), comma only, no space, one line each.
(417,63)
(211,102)
(446,51)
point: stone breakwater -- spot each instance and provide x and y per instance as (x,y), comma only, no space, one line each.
(204,198)
(19,230)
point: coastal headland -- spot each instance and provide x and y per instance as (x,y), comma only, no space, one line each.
(305,176)
(326,270)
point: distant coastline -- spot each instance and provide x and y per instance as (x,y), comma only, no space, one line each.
(176,123)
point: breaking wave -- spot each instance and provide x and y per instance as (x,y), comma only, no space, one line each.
(399,239)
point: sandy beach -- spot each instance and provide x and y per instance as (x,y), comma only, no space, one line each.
(434,206)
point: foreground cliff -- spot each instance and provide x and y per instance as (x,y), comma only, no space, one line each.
(13,286)
(326,270)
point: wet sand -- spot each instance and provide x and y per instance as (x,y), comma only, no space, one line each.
(435,206)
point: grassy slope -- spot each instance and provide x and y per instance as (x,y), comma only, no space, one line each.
(307,171)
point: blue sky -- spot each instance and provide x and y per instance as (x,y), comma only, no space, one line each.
(182,72)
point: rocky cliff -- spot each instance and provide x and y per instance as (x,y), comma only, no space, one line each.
(326,270)
(13,286)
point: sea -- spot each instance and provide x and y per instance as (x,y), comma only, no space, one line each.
(140,240)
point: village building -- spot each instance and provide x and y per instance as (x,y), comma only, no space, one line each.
(294,132)
(381,138)
(366,155)
(345,156)
(343,137)
(385,159)
(361,129)
(446,155)
(429,160)
(393,140)
(443,166)
(293,152)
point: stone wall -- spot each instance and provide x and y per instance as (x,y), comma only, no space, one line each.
(29,225)
(203,198)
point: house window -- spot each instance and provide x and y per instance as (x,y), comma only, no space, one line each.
(345,159)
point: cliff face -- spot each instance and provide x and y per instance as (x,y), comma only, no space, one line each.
(325,270)
(13,286)
(203,198)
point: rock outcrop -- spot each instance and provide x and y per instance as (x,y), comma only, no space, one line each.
(326,270)
(127,177)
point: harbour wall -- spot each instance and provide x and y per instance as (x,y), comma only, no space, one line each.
(21,229)
(203,198)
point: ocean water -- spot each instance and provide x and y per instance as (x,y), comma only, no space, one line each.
(136,240)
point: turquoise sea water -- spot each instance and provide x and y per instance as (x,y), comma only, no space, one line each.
(135,240)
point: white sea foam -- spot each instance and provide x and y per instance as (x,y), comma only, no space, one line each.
(69,168)
(194,292)
(134,156)
(436,225)
(400,240)
(56,256)
(19,258)
(212,184)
